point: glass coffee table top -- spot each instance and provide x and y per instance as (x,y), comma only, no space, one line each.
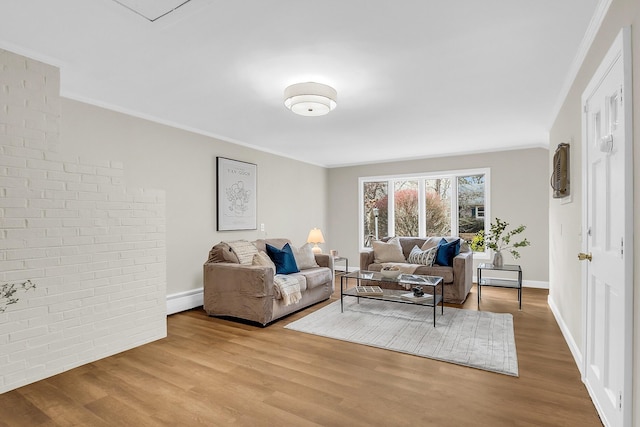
(403,278)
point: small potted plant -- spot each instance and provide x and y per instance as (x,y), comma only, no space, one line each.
(498,240)
(9,290)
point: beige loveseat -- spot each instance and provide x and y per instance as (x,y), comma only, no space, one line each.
(457,279)
(247,291)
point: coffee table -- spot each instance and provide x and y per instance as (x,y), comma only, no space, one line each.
(374,278)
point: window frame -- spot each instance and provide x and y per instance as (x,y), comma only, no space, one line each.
(421,177)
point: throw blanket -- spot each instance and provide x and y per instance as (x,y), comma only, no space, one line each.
(244,250)
(288,288)
(404,268)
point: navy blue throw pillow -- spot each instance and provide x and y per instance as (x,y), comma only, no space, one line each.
(447,251)
(283,259)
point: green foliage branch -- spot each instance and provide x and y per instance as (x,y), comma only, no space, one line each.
(498,239)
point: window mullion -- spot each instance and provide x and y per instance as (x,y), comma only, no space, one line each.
(391,200)
(454,205)
(422,212)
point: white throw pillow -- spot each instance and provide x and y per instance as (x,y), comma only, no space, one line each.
(390,251)
(418,256)
(262,259)
(304,257)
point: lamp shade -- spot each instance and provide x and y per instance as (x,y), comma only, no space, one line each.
(310,99)
(315,236)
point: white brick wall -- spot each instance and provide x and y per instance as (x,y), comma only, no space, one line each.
(94,248)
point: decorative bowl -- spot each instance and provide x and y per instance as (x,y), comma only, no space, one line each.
(390,274)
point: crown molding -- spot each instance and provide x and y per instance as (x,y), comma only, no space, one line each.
(590,35)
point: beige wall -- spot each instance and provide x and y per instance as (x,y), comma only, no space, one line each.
(291,194)
(564,270)
(519,181)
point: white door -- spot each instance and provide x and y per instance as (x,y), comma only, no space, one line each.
(607,238)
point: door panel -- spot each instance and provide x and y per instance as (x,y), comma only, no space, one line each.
(607,226)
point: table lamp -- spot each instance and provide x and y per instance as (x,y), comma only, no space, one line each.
(315,237)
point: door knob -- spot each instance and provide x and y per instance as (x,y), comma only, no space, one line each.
(583,256)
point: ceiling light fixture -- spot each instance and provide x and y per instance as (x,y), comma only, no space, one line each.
(310,99)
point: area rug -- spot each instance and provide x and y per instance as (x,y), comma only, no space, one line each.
(477,339)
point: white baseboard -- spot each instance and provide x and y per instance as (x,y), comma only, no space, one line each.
(535,284)
(573,347)
(184,301)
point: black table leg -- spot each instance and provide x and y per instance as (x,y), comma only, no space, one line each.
(341,295)
(479,277)
(520,289)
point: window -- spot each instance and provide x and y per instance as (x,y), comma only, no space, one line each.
(470,199)
(375,208)
(443,204)
(405,207)
(437,207)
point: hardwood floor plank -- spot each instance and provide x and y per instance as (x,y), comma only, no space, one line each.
(212,371)
(22,411)
(60,407)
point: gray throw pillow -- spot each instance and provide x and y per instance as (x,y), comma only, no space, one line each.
(426,257)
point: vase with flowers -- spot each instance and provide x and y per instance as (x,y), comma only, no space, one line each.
(499,239)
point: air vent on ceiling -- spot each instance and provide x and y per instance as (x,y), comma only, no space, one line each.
(152,9)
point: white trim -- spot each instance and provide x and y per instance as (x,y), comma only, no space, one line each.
(589,36)
(501,149)
(134,113)
(420,175)
(183,301)
(13,48)
(538,284)
(573,347)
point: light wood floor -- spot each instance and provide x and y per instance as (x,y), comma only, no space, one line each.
(217,372)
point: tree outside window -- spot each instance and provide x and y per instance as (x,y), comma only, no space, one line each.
(470,200)
(438,207)
(406,208)
(375,195)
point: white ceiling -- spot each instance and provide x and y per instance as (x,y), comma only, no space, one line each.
(415,78)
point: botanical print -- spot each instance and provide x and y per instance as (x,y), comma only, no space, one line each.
(237,198)
(236,195)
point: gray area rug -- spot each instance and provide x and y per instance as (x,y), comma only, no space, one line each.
(478,339)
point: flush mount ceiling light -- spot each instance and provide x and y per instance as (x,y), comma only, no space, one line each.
(310,99)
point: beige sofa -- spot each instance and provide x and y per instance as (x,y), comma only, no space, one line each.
(247,291)
(457,279)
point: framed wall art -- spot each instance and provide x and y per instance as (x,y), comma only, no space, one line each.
(236,195)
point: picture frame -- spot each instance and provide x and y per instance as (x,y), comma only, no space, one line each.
(236,195)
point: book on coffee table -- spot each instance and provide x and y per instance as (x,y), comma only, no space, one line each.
(411,297)
(369,290)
